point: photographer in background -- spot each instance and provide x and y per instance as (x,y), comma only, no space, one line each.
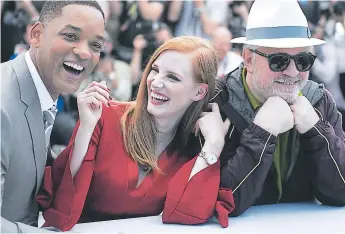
(338,12)
(138,17)
(325,68)
(227,59)
(23,45)
(144,46)
(313,10)
(237,20)
(196,17)
(15,16)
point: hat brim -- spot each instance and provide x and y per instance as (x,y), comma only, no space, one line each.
(280,43)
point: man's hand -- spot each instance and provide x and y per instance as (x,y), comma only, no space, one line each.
(139,42)
(275,116)
(304,114)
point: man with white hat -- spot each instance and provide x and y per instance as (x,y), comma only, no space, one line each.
(285,142)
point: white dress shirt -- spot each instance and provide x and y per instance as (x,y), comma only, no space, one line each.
(44,96)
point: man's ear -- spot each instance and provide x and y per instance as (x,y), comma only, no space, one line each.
(248,59)
(36,33)
(201,93)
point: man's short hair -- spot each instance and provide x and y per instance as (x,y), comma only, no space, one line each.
(52,8)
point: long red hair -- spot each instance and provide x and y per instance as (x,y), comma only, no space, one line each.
(137,124)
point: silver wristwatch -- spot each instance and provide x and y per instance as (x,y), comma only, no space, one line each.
(209,157)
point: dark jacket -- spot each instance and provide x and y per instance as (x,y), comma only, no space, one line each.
(317,158)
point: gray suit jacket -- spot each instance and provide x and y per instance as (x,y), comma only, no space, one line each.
(23,153)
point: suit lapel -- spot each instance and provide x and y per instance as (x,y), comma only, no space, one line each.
(33,115)
(35,120)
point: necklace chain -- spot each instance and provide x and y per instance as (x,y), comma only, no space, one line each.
(147,168)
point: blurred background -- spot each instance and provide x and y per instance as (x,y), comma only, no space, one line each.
(136,28)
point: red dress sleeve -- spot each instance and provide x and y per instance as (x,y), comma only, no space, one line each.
(62,197)
(196,200)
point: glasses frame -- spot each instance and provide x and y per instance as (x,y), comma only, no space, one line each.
(293,57)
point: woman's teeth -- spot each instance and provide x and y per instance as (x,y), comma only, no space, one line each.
(159,98)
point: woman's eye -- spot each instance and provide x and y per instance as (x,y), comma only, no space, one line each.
(154,69)
(171,76)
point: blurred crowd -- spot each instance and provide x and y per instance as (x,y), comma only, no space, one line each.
(136,28)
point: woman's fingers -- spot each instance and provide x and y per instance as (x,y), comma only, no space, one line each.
(226,125)
(85,97)
(93,102)
(214,107)
(98,89)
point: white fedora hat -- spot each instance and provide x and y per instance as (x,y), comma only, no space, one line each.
(278,24)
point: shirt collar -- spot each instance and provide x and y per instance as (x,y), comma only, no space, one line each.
(44,96)
(252,99)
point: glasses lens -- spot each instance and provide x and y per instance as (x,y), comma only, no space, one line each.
(304,62)
(279,62)
(102,55)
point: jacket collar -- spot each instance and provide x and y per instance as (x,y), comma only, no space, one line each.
(28,92)
(33,114)
(238,101)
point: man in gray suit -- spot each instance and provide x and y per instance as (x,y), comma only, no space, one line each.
(65,47)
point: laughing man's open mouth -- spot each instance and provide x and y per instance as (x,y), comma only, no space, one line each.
(73,68)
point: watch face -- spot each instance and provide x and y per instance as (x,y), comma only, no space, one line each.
(211,159)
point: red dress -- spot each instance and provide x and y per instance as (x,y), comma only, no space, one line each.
(104,188)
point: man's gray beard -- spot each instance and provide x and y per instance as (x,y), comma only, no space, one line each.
(268,91)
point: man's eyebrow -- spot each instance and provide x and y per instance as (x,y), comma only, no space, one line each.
(100,38)
(70,26)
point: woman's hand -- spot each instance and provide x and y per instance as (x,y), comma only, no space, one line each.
(90,103)
(213,128)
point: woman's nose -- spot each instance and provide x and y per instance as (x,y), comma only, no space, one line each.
(157,82)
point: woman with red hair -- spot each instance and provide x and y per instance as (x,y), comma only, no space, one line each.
(140,158)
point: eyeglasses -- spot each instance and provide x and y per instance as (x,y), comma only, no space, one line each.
(102,55)
(278,62)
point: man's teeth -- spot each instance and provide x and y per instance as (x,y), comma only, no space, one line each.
(287,83)
(159,97)
(75,66)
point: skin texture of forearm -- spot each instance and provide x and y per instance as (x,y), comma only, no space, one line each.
(81,144)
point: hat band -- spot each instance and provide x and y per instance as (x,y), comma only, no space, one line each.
(278,32)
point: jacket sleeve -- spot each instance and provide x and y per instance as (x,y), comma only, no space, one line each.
(6,148)
(62,197)
(324,145)
(196,200)
(245,164)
